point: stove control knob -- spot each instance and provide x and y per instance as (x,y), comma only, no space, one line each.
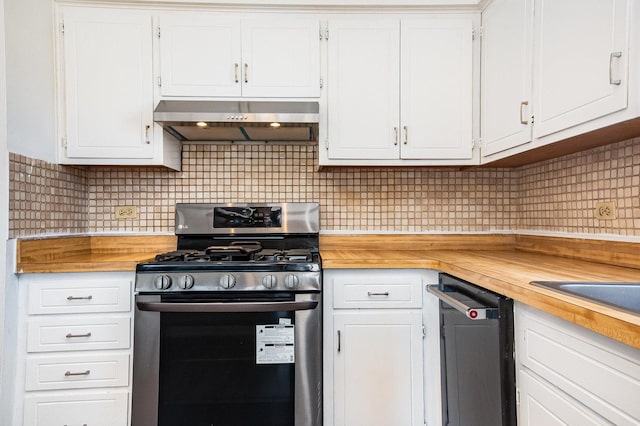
(269,281)
(227,281)
(291,281)
(185,282)
(162,282)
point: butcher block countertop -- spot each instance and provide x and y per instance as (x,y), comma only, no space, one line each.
(502,263)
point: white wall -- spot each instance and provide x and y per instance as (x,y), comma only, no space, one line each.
(4,180)
(30,78)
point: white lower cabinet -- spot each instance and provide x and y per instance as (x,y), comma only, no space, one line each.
(568,375)
(373,347)
(73,354)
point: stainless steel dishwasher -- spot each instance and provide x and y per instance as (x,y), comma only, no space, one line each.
(477,363)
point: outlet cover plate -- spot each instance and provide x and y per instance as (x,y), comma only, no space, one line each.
(606,211)
(126,212)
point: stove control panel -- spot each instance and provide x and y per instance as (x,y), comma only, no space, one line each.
(180,281)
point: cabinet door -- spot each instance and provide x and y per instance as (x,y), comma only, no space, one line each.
(378,368)
(108,83)
(581,62)
(507,55)
(281,57)
(543,404)
(200,55)
(437,89)
(363,89)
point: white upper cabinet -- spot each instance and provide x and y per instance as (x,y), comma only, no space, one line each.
(199,55)
(217,55)
(399,92)
(507,54)
(581,56)
(108,83)
(436,89)
(363,89)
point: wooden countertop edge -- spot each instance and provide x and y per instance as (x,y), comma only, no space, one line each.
(618,325)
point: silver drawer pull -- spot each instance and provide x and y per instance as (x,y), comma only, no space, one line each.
(71,336)
(370,293)
(83,424)
(83,373)
(79,297)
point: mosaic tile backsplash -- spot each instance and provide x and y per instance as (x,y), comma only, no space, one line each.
(557,195)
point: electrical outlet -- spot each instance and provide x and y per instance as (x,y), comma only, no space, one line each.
(126,212)
(606,211)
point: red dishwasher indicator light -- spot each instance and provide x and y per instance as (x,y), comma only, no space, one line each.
(473,314)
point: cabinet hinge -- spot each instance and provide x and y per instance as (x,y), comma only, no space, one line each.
(159,81)
(64,142)
(517,396)
(62,28)
(533,119)
(326,34)
(481,32)
(326,144)
(473,34)
(158,31)
(424,331)
(321,34)
(321,83)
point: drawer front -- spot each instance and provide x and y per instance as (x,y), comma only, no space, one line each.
(73,295)
(107,409)
(45,334)
(383,290)
(77,371)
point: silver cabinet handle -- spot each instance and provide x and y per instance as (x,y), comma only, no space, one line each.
(522,105)
(611,56)
(83,424)
(82,373)
(227,307)
(72,336)
(235,73)
(146,134)
(339,339)
(246,73)
(406,135)
(79,297)
(370,293)
(395,136)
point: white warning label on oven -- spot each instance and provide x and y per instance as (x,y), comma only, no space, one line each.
(275,344)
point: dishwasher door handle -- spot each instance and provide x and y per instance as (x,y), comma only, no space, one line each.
(482,313)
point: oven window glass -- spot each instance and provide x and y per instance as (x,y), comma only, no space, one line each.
(209,375)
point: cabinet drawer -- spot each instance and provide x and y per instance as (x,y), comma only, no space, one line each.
(99,409)
(80,296)
(77,371)
(379,290)
(69,333)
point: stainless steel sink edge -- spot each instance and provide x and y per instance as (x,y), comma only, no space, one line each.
(617,295)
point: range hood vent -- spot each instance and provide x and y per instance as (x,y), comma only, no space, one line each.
(239,121)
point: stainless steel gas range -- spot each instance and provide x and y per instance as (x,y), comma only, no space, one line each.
(228,327)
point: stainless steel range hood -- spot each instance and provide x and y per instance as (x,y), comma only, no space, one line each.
(239,121)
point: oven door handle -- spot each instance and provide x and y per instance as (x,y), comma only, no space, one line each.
(227,307)
(473,313)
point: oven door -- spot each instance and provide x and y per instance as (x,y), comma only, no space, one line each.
(204,361)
